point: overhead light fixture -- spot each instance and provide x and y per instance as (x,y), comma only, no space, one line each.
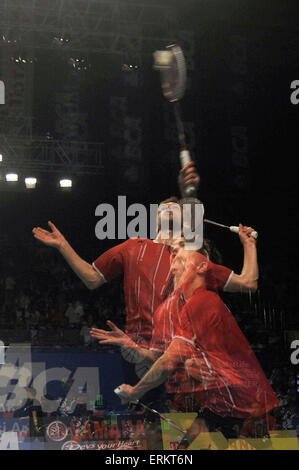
(11,177)
(30,182)
(1,157)
(66,183)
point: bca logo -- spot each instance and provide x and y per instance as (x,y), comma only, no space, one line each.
(2,92)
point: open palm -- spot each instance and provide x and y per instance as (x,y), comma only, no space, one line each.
(51,238)
(116,336)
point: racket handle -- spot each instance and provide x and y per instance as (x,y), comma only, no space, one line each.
(122,394)
(236,230)
(185,158)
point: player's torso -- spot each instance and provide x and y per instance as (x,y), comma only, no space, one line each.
(166,320)
(236,380)
(147,280)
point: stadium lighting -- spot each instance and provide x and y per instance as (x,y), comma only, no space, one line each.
(65,183)
(30,183)
(11,177)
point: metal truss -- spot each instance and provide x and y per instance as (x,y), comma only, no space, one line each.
(127,28)
(16,125)
(106,26)
(49,155)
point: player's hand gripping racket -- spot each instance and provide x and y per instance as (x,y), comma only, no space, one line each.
(232,228)
(122,394)
(172,66)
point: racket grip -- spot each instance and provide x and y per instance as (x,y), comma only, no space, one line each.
(122,394)
(185,158)
(236,230)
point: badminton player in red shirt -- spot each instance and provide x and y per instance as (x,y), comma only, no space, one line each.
(165,322)
(145,265)
(223,371)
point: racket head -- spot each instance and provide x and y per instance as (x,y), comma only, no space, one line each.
(174,76)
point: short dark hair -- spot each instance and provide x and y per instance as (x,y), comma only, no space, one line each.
(210,250)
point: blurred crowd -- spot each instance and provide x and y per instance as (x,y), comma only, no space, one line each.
(41,296)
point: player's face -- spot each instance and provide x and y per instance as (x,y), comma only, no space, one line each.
(169,213)
(189,272)
(178,265)
(189,263)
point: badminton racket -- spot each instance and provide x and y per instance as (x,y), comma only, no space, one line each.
(122,394)
(172,66)
(232,228)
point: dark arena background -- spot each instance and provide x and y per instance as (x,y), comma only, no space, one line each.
(83,102)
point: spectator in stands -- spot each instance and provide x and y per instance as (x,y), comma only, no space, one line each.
(79,309)
(10,285)
(74,313)
(85,331)
(57,317)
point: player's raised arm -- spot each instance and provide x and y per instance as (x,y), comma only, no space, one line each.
(188,176)
(248,279)
(84,270)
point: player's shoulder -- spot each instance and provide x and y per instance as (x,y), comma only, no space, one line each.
(133,242)
(139,241)
(148,242)
(204,298)
(215,268)
(133,245)
(204,293)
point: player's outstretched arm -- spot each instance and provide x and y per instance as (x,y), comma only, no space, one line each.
(160,371)
(248,279)
(117,337)
(188,176)
(84,270)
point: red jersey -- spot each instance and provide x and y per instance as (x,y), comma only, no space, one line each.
(166,320)
(226,374)
(145,265)
(147,278)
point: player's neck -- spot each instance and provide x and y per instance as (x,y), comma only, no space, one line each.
(189,289)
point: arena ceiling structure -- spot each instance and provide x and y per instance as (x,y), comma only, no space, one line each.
(72,29)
